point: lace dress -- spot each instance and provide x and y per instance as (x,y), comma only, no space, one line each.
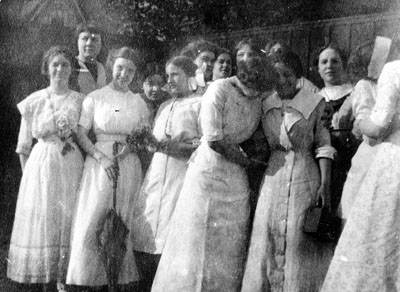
(40,241)
(367,257)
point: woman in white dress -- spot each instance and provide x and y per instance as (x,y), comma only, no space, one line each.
(367,257)
(205,249)
(177,128)
(39,247)
(113,112)
(281,256)
(365,64)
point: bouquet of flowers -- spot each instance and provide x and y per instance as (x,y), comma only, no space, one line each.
(143,138)
(64,131)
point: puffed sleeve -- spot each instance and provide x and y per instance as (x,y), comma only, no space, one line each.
(211,113)
(87,113)
(363,99)
(322,139)
(387,96)
(24,145)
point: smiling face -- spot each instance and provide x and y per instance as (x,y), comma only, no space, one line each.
(59,68)
(244,53)
(206,60)
(152,87)
(286,81)
(222,67)
(123,72)
(177,80)
(89,45)
(330,67)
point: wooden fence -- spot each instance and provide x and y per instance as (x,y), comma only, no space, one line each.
(304,38)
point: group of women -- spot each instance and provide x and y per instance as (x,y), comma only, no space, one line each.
(192,224)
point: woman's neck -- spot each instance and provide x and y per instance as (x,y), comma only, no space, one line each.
(115,86)
(58,87)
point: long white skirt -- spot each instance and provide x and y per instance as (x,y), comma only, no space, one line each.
(39,245)
(95,199)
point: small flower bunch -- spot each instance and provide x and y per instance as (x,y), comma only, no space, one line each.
(64,132)
(143,138)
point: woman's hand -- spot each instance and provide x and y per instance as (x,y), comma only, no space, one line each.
(109,167)
(324,197)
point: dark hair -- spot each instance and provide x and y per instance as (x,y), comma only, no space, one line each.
(51,53)
(292,61)
(332,46)
(253,43)
(223,51)
(89,27)
(257,73)
(357,67)
(152,69)
(193,49)
(272,43)
(185,63)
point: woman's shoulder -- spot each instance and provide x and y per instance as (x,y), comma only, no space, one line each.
(33,100)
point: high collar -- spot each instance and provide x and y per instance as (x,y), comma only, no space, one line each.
(304,102)
(248,92)
(336,92)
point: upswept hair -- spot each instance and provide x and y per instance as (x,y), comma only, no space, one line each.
(333,46)
(90,27)
(51,53)
(257,73)
(185,63)
(193,49)
(292,61)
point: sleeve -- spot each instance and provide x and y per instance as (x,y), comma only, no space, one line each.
(322,139)
(363,99)
(24,144)
(211,113)
(87,113)
(387,95)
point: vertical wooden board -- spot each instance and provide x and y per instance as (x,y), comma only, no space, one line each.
(360,33)
(387,28)
(300,45)
(317,39)
(340,35)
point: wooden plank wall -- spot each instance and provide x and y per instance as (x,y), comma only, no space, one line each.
(304,38)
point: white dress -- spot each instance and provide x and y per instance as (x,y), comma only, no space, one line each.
(113,115)
(39,246)
(206,245)
(367,257)
(177,119)
(363,99)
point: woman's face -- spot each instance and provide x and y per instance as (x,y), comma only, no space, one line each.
(205,61)
(222,67)
(152,87)
(244,53)
(123,72)
(59,68)
(330,67)
(286,82)
(89,45)
(177,80)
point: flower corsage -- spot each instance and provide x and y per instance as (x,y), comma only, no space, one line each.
(142,138)
(65,132)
